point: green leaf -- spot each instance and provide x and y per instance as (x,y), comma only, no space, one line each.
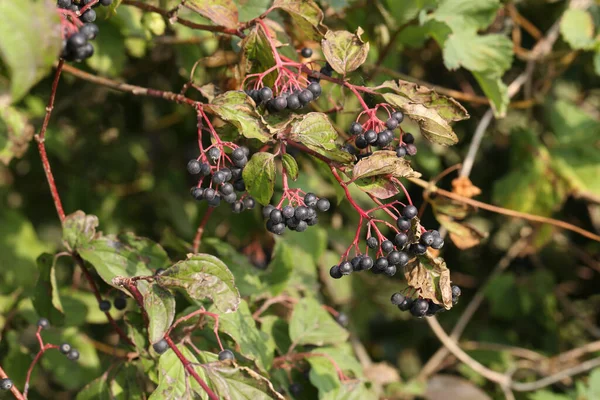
(239,383)
(383,162)
(159,304)
(46,299)
(28,53)
(257,55)
(253,343)
(577,29)
(15,133)
(110,54)
(461,15)
(238,109)
(435,128)
(597,61)
(311,324)
(323,374)
(314,130)
(495,90)
(123,255)
(280,268)
(79,229)
(306,15)
(203,276)
(290,165)
(98,389)
(173,380)
(447,108)
(350,391)
(407,10)
(345,51)
(259,176)
(136,329)
(250,9)
(431,278)
(221,12)
(492,54)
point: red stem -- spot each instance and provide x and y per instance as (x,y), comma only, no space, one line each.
(360,211)
(200,231)
(190,369)
(40,138)
(34,362)
(14,389)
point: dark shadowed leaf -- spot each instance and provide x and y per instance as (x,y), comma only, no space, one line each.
(345,51)
(46,299)
(259,176)
(280,268)
(159,304)
(315,131)
(233,382)
(306,15)
(311,324)
(383,162)
(203,276)
(221,12)
(79,229)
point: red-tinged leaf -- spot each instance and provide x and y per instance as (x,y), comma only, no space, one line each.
(383,162)
(345,51)
(221,12)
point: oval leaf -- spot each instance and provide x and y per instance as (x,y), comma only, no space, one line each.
(379,187)
(30,32)
(238,109)
(314,130)
(290,165)
(46,299)
(306,15)
(203,276)
(383,162)
(311,324)
(259,176)
(345,51)
(159,304)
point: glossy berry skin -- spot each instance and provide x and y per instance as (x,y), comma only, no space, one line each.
(214,153)
(335,273)
(305,96)
(43,323)
(398,116)
(238,154)
(64,348)
(104,305)
(89,16)
(306,52)
(239,185)
(106,3)
(410,212)
(427,238)
(419,307)
(381,264)
(372,242)
(394,257)
(90,31)
(346,268)
(64,3)
(293,102)
(301,213)
(406,304)
(161,346)
(193,167)
(279,103)
(237,207)
(73,355)
(209,194)
(401,151)
(276,216)
(371,136)
(323,205)
(392,123)
(400,239)
(418,248)
(397,299)
(355,128)
(404,258)
(6,384)
(249,203)
(296,389)
(226,355)
(226,188)
(266,94)
(403,224)
(391,270)
(76,41)
(356,263)
(288,211)
(120,303)
(302,225)
(315,89)
(438,243)
(310,199)
(408,138)
(361,142)
(266,211)
(387,246)
(434,309)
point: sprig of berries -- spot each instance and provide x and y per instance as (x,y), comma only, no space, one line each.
(420,307)
(297,218)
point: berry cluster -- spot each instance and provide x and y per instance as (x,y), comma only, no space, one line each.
(421,307)
(224,182)
(292,99)
(295,218)
(120,303)
(372,134)
(78,27)
(65,348)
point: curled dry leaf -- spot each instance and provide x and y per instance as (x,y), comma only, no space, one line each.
(464,187)
(345,51)
(431,278)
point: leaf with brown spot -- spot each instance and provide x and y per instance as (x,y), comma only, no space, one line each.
(431,278)
(378,186)
(345,51)
(306,15)
(221,12)
(203,276)
(238,109)
(383,162)
(79,229)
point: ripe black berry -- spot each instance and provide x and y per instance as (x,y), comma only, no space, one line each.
(214,153)
(356,263)
(226,188)
(381,264)
(384,138)
(355,128)
(398,116)
(427,238)
(419,307)
(209,194)
(249,203)
(335,273)
(394,257)
(120,303)
(342,319)
(266,211)
(323,205)
(326,70)
(106,3)
(305,96)
(43,323)
(279,103)
(64,348)
(390,270)
(438,243)
(387,246)
(406,304)
(404,258)
(456,292)
(302,225)
(64,3)
(400,239)
(418,248)
(397,299)
(237,154)
(161,346)
(215,201)
(104,305)
(296,389)
(372,242)
(266,94)
(366,263)
(229,198)
(276,216)
(310,199)
(410,212)
(73,355)
(6,384)
(401,151)
(193,167)
(239,185)
(90,31)
(293,102)
(315,89)
(403,224)
(301,213)
(345,268)
(408,138)
(434,308)
(89,16)
(391,123)
(306,52)
(76,41)
(197,193)
(361,142)
(237,207)
(218,177)
(226,355)
(278,229)
(371,136)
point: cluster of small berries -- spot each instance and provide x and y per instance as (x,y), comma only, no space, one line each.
(422,307)
(407,146)
(370,137)
(75,44)
(120,303)
(295,218)
(226,181)
(430,238)
(65,348)
(294,100)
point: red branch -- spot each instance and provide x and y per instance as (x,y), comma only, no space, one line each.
(40,138)
(14,389)
(200,231)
